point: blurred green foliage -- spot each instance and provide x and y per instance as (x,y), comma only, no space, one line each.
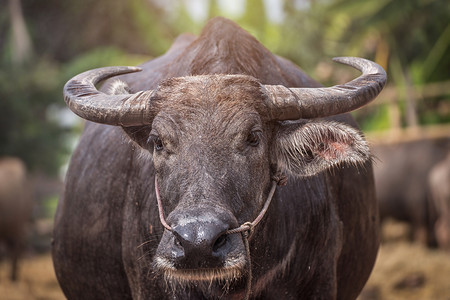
(409,38)
(31,93)
(26,131)
(49,206)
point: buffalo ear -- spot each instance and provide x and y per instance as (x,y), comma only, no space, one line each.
(138,134)
(307,148)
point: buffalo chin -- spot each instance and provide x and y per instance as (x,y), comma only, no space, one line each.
(233,271)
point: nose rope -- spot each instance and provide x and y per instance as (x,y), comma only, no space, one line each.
(160,208)
(248,226)
(245,229)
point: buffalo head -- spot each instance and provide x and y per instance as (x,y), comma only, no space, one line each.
(216,141)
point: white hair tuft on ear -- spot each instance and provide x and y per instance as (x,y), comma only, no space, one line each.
(118,87)
(305,149)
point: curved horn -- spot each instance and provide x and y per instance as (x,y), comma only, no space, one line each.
(307,103)
(85,100)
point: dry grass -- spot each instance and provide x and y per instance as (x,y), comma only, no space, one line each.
(408,271)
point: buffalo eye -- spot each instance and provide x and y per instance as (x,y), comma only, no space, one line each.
(156,141)
(253,138)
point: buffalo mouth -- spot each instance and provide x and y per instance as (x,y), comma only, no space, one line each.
(232,270)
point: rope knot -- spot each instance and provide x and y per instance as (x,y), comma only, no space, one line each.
(280,178)
(249,230)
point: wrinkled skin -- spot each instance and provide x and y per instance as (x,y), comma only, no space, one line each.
(213,151)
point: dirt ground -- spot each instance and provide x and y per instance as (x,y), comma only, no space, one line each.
(403,271)
(407,271)
(37,280)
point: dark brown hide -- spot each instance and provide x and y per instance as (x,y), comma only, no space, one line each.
(319,238)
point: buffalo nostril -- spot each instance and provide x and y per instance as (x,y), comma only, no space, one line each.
(177,240)
(220,242)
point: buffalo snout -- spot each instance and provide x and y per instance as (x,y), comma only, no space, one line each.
(201,244)
(199,241)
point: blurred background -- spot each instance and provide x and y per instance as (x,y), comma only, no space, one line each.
(45,43)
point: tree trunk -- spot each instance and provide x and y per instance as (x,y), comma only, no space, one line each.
(21,48)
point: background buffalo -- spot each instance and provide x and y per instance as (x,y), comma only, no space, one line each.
(439,185)
(15,210)
(401,171)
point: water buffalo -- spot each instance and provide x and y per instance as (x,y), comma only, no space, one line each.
(15,209)
(172,201)
(439,182)
(401,176)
